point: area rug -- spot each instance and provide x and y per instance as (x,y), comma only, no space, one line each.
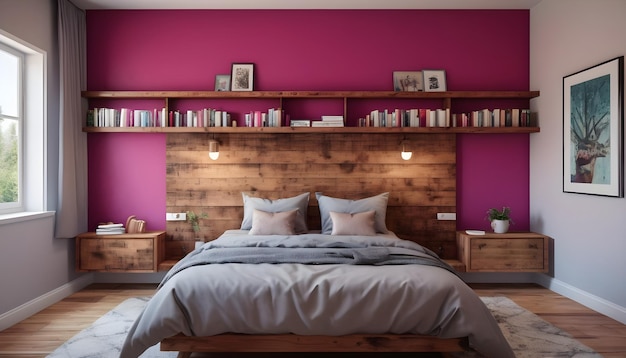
(528,334)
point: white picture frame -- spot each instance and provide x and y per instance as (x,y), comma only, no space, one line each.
(435,81)
(242,77)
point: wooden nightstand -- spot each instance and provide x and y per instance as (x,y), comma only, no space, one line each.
(510,252)
(138,252)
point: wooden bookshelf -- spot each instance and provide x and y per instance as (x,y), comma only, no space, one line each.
(346,96)
(309,130)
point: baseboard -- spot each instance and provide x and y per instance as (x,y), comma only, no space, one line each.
(108,277)
(596,303)
(33,306)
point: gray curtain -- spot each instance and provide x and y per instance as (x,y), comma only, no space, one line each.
(71,211)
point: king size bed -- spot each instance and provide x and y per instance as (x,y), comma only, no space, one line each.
(272,285)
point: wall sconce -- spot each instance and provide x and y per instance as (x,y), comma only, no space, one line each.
(405,154)
(214,149)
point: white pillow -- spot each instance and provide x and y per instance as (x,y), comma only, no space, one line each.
(353,224)
(278,223)
(376,203)
(300,202)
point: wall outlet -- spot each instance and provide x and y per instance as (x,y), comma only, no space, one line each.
(175,216)
(446,216)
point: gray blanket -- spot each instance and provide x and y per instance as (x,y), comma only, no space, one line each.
(311,250)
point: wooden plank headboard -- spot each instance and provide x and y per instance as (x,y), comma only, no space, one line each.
(351,166)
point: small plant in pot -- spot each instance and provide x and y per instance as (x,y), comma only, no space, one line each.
(194,220)
(500,219)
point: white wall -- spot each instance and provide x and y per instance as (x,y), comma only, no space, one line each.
(589,231)
(35,268)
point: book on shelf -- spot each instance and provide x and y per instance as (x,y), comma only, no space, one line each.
(329,121)
(323,123)
(332,118)
(300,123)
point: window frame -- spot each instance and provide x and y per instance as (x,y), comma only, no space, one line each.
(17,206)
(33,130)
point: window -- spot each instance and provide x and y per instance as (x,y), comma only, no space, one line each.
(10,128)
(22,126)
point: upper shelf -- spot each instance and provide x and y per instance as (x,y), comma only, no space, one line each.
(446,97)
(311,94)
(311,130)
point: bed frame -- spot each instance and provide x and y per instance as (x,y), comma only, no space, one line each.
(359,343)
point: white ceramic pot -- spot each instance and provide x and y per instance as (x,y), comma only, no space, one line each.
(500,226)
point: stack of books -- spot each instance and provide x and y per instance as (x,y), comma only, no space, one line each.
(329,121)
(110,229)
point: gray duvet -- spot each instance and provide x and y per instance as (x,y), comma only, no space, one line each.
(314,284)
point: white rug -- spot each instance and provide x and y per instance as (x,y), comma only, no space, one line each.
(529,335)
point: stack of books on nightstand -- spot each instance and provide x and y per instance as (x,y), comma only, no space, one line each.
(110,229)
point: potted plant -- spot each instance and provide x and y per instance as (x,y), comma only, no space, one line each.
(194,219)
(500,219)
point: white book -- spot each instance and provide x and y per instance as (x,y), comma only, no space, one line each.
(300,123)
(109,226)
(326,124)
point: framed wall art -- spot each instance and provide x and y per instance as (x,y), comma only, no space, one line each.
(242,77)
(408,81)
(593,122)
(222,83)
(434,80)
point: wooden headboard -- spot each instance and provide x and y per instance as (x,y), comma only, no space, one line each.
(352,166)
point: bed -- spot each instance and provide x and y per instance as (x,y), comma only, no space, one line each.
(272,285)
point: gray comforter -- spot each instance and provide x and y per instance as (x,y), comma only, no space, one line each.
(314,284)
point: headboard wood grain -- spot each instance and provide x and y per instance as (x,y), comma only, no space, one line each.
(349,166)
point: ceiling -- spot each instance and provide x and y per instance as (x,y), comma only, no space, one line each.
(303,4)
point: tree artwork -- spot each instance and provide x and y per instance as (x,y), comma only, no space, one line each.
(590,131)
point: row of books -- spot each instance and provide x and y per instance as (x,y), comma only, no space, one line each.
(275,117)
(510,117)
(124,117)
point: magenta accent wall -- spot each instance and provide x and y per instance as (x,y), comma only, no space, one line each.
(127,177)
(307,50)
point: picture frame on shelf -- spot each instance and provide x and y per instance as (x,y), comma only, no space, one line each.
(222,83)
(434,80)
(408,81)
(593,134)
(242,77)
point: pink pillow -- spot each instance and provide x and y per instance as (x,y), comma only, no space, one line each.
(353,224)
(278,223)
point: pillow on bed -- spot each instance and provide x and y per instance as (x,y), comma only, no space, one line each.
(300,202)
(278,223)
(353,224)
(376,203)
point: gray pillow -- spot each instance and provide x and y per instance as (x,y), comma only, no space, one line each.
(300,202)
(377,203)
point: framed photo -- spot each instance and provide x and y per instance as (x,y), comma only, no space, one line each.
(242,77)
(593,135)
(222,82)
(434,80)
(408,81)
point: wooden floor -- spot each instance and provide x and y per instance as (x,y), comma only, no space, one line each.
(39,335)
